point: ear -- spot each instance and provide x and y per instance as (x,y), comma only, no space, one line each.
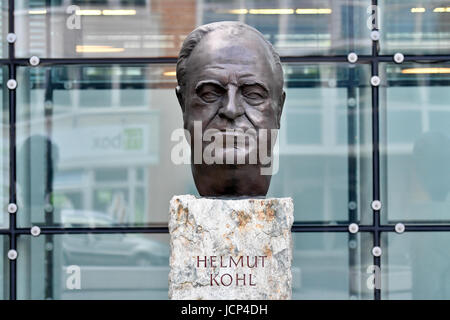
(180,97)
(280,108)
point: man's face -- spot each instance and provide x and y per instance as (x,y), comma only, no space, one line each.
(231,85)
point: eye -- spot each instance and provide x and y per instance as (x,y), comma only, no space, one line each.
(210,96)
(253,95)
(210,92)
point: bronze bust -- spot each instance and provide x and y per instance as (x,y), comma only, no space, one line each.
(230,82)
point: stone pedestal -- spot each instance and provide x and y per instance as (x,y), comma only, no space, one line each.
(230,249)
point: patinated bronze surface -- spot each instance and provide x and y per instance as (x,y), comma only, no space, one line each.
(230,78)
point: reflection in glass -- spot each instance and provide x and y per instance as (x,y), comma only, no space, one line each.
(330,266)
(82,151)
(93,266)
(301,27)
(4,28)
(416,266)
(157,28)
(420,27)
(416,142)
(108,163)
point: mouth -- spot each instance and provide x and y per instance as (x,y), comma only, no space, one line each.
(233,133)
(236,138)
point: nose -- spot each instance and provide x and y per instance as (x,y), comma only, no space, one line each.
(232,107)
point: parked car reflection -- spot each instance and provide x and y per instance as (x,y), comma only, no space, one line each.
(118,249)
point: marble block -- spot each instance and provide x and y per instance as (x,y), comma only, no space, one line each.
(230,249)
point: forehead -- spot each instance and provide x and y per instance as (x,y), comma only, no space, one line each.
(220,52)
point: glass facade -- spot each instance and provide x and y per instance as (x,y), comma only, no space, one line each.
(416,266)
(420,27)
(86,144)
(3,269)
(137,28)
(4,144)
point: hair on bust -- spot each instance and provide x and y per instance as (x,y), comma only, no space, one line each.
(235,28)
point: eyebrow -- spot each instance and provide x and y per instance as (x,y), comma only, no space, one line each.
(243,83)
(205,82)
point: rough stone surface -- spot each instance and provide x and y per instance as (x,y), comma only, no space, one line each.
(208,237)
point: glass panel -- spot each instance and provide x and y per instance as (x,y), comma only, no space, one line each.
(324,142)
(4,275)
(420,27)
(103,163)
(331,266)
(157,28)
(86,158)
(93,266)
(416,143)
(4,149)
(416,265)
(4,28)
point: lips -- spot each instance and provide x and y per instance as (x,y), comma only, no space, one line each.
(230,129)
(234,139)
(230,133)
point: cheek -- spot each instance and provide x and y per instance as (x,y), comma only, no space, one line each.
(263,115)
(198,110)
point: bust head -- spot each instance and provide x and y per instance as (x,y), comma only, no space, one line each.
(230,89)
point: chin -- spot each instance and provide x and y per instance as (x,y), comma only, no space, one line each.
(230,180)
(235,156)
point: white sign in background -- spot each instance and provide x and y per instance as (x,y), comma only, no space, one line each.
(102,141)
